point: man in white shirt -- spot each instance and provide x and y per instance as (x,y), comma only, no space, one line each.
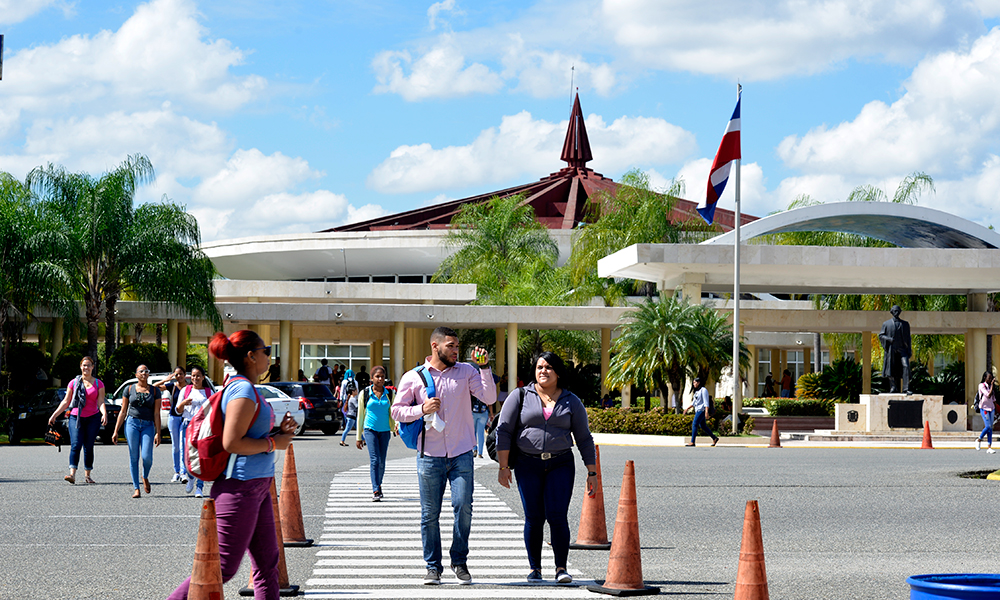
(700,408)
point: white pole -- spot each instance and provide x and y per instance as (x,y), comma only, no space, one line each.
(737,384)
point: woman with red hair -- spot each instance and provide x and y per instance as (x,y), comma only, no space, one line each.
(242,495)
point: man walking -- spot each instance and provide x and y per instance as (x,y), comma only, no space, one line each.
(700,408)
(445,449)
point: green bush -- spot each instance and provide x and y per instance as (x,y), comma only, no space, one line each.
(754,402)
(841,381)
(23,362)
(793,407)
(654,422)
(67,364)
(127,358)
(808,386)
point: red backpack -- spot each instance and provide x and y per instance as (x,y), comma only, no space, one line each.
(204,455)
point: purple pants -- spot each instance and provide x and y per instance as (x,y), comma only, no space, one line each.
(246,523)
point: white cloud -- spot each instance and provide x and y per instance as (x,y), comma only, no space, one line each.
(768,40)
(15,11)
(160,52)
(436,9)
(252,174)
(523,145)
(441,72)
(547,74)
(944,123)
(754,197)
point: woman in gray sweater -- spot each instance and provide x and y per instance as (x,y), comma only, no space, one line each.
(538,424)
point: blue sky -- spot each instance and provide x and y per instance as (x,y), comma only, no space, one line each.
(275,117)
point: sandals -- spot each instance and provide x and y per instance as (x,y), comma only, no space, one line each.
(70,479)
(89,480)
(137,494)
(342,444)
(146,486)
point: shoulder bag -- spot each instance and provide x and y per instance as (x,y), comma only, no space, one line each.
(491,438)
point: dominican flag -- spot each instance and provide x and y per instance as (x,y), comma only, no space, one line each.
(729,150)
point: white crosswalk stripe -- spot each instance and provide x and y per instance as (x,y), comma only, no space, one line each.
(373,549)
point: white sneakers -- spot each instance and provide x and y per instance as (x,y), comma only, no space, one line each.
(979,444)
(990,451)
(176,478)
(190,485)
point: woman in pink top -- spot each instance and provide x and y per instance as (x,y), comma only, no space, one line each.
(83,421)
(987,406)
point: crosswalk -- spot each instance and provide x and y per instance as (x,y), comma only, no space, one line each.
(373,549)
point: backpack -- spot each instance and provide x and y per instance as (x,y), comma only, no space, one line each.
(411,432)
(711,406)
(204,455)
(979,395)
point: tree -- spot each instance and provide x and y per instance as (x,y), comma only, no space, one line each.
(635,214)
(31,272)
(656,346)
(149,253)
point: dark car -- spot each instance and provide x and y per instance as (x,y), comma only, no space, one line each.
(320,405)
(31,419)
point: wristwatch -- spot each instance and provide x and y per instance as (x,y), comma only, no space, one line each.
(591,473)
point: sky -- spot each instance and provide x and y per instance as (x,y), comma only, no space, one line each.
(267,117)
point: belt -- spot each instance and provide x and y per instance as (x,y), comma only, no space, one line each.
(548,455)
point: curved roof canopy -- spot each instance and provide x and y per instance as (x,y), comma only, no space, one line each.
(905,225)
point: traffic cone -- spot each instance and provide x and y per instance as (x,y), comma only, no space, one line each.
(292,529)
(751,576)
(624,577)
(284,588)
(593,531)
(206,574)
(775,436)
(927,443)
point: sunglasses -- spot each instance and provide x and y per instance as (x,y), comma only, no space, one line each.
(143,372)
(266,349)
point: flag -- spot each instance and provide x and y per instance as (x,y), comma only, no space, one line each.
(729,150)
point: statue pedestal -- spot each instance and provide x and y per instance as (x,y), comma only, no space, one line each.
(888,413)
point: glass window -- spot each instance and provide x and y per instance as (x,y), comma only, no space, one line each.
(763,368)
(349,356)
(338,351)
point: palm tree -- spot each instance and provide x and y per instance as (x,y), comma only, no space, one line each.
(656,346)
(635,214)
(150,252)
(31,272)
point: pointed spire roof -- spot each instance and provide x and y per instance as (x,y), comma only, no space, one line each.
(576,148)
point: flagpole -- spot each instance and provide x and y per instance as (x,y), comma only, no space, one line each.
(737,384)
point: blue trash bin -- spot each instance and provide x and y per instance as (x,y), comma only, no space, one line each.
(963,586)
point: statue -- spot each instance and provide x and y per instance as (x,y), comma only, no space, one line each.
(895,338)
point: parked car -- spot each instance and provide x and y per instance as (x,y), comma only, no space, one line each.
(320,405)
(281,403)
(31,419)
(155,378)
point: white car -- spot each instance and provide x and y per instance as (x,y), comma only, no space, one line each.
(281,403)
(155,378)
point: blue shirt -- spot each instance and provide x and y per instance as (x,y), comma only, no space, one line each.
(255,466)
(377,410)
(700,399)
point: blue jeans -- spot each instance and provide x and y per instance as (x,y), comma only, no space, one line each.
(348,426)
(174,424)
(546,487)
(82,434)
(433,472)
(378,448)
(139,434)
(479,421)
(987,425)
(700,420)
(184,429)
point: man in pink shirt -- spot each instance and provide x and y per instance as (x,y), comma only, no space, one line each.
(445,449)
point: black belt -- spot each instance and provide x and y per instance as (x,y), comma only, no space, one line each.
(547,455)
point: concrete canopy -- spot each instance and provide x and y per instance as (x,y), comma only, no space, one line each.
(905,225)
(809,269)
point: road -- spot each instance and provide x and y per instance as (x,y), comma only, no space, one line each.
(837,522)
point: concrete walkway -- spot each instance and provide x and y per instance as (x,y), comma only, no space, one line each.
(617,439)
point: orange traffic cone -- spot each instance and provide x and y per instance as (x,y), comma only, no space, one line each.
(292,529)
(751,576)
(775,436)
(206,574)
(927,443)
(284,588)
(624,576)
(593,531)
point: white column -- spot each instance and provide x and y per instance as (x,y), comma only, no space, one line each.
(172,342)
(398,350)
(605,358)
(285,339)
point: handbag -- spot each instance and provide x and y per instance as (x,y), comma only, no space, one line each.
(491,437)
(53,437)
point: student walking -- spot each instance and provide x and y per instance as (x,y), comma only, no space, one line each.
(375,427)
(141,416)
(700,408)
(540,423)
(244,518)
(171,388)
(987,407)
(86,396)
(190,400)
(445,447)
